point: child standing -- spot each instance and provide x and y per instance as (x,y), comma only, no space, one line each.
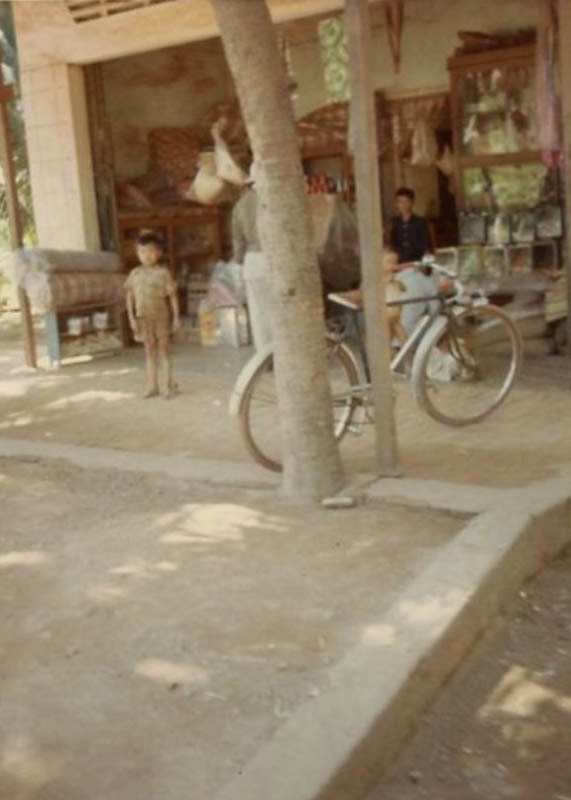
(152,306)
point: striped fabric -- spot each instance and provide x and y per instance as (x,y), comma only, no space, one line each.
(73,289)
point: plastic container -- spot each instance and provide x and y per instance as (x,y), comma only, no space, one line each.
(100,320)
(207,324)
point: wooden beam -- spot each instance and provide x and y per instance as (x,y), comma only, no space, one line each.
(14,221)
(565,78)
(367,180)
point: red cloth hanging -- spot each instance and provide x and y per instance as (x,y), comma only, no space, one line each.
(548,109)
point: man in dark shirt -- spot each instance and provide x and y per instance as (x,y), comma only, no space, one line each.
(409,235)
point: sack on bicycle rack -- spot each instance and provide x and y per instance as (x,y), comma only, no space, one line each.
(337,242)
(442,367)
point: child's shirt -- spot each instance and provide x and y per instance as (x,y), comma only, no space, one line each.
(151,287)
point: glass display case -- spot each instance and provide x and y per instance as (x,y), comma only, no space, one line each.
(497,112)
(508,187)
(498,163)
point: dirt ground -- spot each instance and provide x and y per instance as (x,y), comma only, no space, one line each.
(502,728)
(156,632)
(155,629)
(98,404)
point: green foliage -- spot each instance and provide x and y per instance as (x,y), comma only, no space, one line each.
(18,133)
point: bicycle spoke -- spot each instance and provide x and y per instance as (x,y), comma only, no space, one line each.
(471,367)
(260,414)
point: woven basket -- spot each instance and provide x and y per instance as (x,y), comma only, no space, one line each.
(174,151)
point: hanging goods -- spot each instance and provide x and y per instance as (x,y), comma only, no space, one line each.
(424,144)
(207,187)
(335,58)
(226,167)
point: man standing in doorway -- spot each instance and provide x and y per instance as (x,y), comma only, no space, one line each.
(409,235)
(247,250)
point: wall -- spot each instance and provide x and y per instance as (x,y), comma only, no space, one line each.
(176,86)
(429,39)
(168,88)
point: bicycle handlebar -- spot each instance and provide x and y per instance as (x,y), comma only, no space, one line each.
(460,291)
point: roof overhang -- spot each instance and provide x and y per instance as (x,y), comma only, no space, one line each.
(49,34)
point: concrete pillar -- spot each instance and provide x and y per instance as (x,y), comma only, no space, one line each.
(57,134)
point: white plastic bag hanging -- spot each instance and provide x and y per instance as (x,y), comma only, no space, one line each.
(207,187)
(446,162)
(226,167)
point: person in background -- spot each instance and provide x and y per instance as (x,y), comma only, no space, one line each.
(247,250)
(152,306)
(409,233)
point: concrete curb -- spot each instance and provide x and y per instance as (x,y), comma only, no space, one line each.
(336,746)
(221,473)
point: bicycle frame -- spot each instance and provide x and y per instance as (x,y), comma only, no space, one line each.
(413,340)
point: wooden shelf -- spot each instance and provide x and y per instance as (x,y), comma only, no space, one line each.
(58,339)
(500,159)
(206,220)
(467,62)
(72,336)
(87,307)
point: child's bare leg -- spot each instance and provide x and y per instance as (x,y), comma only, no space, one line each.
(152,367)
(166,367)
(400,333)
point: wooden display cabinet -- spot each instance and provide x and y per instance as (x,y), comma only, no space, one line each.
(189,234)
(498,161)
(192,236)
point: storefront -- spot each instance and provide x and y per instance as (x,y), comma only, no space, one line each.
(456,123)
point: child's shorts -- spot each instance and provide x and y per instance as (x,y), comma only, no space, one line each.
(154,329)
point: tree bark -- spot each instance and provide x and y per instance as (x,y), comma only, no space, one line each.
(312,466)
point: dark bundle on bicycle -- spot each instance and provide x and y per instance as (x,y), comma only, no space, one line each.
(337,243)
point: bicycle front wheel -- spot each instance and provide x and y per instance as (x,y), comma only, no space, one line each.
(465,369)
(259,416)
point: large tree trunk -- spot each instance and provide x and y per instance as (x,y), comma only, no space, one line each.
(312,466)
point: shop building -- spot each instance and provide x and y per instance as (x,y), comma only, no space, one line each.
(120,98)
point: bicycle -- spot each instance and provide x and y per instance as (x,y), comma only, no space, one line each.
(466,354)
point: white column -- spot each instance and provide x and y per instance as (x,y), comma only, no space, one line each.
(57,134)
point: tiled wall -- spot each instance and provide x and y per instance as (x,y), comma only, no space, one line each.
(60,161)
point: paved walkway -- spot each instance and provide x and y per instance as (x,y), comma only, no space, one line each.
(502,727)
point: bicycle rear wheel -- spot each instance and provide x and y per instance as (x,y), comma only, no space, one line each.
(465,369)
(259,415)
